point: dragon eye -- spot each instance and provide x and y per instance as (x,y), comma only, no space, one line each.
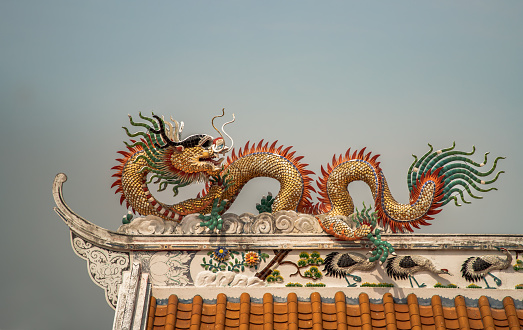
(207,144)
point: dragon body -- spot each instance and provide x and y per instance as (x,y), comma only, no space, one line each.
(435,179)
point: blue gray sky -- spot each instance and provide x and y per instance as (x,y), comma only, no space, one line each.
(320,76)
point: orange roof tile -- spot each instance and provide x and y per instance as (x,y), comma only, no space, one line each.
(318,313)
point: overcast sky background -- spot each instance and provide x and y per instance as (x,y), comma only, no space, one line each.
(320,76)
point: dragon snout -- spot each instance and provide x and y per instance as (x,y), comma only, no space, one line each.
(219,147)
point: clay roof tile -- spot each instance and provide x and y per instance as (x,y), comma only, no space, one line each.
(280,308)
(450,313)
(318,314)
(473,313)
(353,310)
(161,311)
(209,309)
(328,308)
(403,325)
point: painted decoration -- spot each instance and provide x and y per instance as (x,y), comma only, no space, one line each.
(343,264)
(403,267)
(477,268)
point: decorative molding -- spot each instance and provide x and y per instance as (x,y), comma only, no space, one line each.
(105,266)
(133,300)
(149,225)
(226,279)
(247,231)
(281,222)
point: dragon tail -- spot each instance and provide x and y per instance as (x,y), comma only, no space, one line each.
(458,173)
(434,180)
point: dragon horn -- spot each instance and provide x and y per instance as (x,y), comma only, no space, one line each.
(178,127)
(161,131)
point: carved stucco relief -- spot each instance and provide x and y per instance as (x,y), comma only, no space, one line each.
(105,266)
(167,268)
(281,222)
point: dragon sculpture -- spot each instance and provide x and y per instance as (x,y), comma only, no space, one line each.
(159,154)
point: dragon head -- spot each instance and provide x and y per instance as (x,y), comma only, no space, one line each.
(194,158)
(170,160)
(195,154)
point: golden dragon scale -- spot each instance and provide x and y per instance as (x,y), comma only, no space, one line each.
(159,154)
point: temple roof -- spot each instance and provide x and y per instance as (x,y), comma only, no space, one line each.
(328,313)
(179,278)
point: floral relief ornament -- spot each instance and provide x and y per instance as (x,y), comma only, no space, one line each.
(221,254)
(252,259)
(222,259)
(218,260)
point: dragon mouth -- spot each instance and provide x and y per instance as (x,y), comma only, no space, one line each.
(216,162)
